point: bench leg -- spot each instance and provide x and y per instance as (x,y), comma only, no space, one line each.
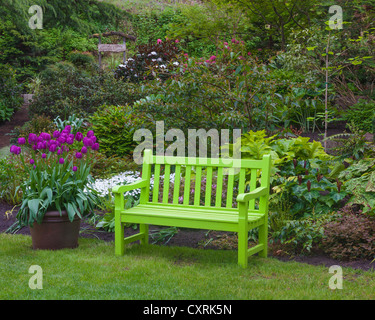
(143,228)
(119,239)
(243,247)
(263,239)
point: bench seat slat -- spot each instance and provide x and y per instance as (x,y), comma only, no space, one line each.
(221,210)
(184,213)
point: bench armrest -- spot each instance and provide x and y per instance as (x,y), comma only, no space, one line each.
(256,193)
(125,188)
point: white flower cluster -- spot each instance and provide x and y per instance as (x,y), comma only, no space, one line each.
(125,63)
(104,186)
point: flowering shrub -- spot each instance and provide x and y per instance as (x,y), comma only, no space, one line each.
(228,90)
(151,61)
(58,176)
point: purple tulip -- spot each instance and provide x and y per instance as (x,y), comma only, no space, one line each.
(59,151)
(44,155)
(75,168)
(52,148)
(79,136)
(61,160)
(95,146)
(32,161)
(56,134)
(70,140)
(78,155)
(15,150)
(45,136)
(68,129)
(84,150)
(34,147)
(93,139)
(21,140)
(90,133)
(87,142)
(61,139)
(32,138)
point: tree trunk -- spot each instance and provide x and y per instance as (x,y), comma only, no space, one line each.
(326,95)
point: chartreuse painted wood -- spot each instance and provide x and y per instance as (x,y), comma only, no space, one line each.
(235,212)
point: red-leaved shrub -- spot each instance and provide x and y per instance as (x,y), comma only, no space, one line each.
(350,237)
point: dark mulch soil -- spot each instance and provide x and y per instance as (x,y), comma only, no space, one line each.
(184,237)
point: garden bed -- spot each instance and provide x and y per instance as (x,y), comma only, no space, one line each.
(203,239)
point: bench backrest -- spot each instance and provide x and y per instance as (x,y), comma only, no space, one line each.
(195,181)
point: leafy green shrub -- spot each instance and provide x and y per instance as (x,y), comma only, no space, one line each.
(350,237)
(154,25)
(65,90)
(353,144)
(361,114)
(105,167)
(299,174)
(37,125)
(301,236)
(359,181)
(12,175)
(114,127)
(10,90)
(306,190)
(80,59)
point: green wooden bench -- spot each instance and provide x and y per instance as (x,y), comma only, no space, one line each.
(237,211)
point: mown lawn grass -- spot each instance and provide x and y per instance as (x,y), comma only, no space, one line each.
(92,271)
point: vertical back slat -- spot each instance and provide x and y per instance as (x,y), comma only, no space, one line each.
(155,194)
(167,172)
(219,187)
(265,182)
(146,174)
(242,181)
(176,189)
(197,187)
(207,197)
(253,185)
(187,185)
(229,202)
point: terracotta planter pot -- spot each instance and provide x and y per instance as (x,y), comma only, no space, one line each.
(55,232)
